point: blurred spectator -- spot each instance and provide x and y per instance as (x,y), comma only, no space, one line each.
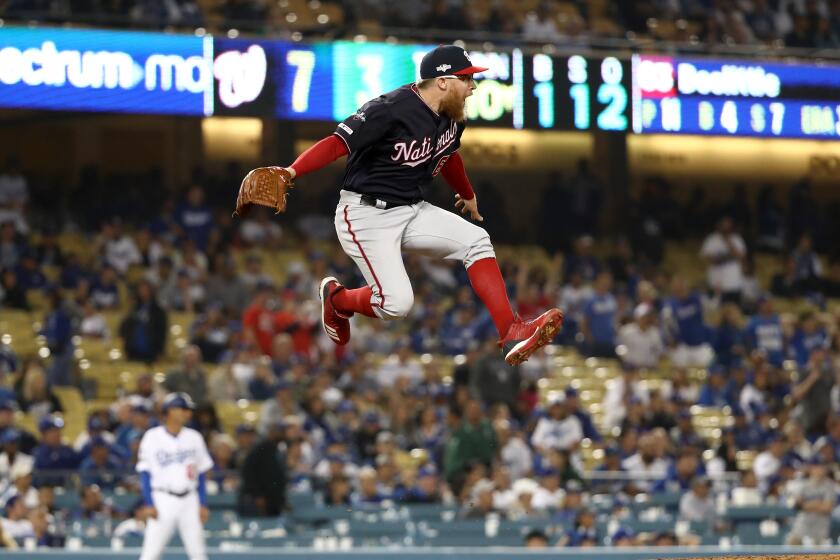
(771,220)
(724,250)
(814,500)
(620,392)
(222,449)
(101,468)
(573,403)
(559,429)
(135,525)
(540,26)
(275,410)
(118,250)
(764,333)
(812,395)
(225,286)
(768,462)
(11,456)
(649,463)
(15,523)
(536,539)
(582,261)
(473,440)
(58,330)
(809,335)
(684,316)
(105,293)
(264,477)
(20,486)
(8,407)
(481,500)
(212,332)
(808,270)
(258,319)
(195,218)
(190,377)
(715,391)
(51,454)
(12,245)
(35,397)
(258,229)
(640,343)
(14,189)
(144,329)
(600,315)
(12,294)
(698,504)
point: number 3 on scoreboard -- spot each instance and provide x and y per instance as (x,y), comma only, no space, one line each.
(614,96)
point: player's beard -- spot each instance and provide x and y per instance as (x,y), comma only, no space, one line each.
(452,105)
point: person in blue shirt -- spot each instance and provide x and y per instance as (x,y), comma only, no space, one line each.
(748,435)
(195,218)
(728,336)
(599,319)
(683,313)
(51,454)
(681,472)
(139,422)
(104,292)
(101,467)
(808,336)
(764,333)
(58,330)
(427,488)
(715,391)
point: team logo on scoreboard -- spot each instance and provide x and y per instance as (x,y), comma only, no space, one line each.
(241,75)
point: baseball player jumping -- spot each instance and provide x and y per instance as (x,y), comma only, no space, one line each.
(172,464)
(396,144)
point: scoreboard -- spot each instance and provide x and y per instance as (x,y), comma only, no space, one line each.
(155,73)
(577,93)
(735,98)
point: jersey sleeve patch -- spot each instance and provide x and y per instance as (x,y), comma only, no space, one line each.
(366,126)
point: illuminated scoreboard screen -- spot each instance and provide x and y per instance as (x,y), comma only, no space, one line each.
(331,81)
(735,98)
(577,93)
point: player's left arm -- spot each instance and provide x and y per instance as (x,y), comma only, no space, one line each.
(456,175)
(324,152)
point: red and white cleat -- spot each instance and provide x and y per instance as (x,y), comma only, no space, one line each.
(526,337)
(336,325)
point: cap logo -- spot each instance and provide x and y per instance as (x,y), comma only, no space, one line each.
(443,67)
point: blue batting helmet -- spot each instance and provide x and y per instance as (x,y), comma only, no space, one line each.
(177,400)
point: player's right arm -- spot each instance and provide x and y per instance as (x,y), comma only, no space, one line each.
(360,130)
(144,456)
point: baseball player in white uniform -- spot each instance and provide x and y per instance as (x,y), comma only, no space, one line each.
(173,462)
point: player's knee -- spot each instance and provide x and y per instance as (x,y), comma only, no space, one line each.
(480,247)
(397,305)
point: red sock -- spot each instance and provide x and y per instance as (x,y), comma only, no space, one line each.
(348,302)
(487,281)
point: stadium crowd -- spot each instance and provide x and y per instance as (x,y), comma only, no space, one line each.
(812,24)
(484,440)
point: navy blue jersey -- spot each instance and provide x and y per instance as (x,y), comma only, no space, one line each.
(396,145)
